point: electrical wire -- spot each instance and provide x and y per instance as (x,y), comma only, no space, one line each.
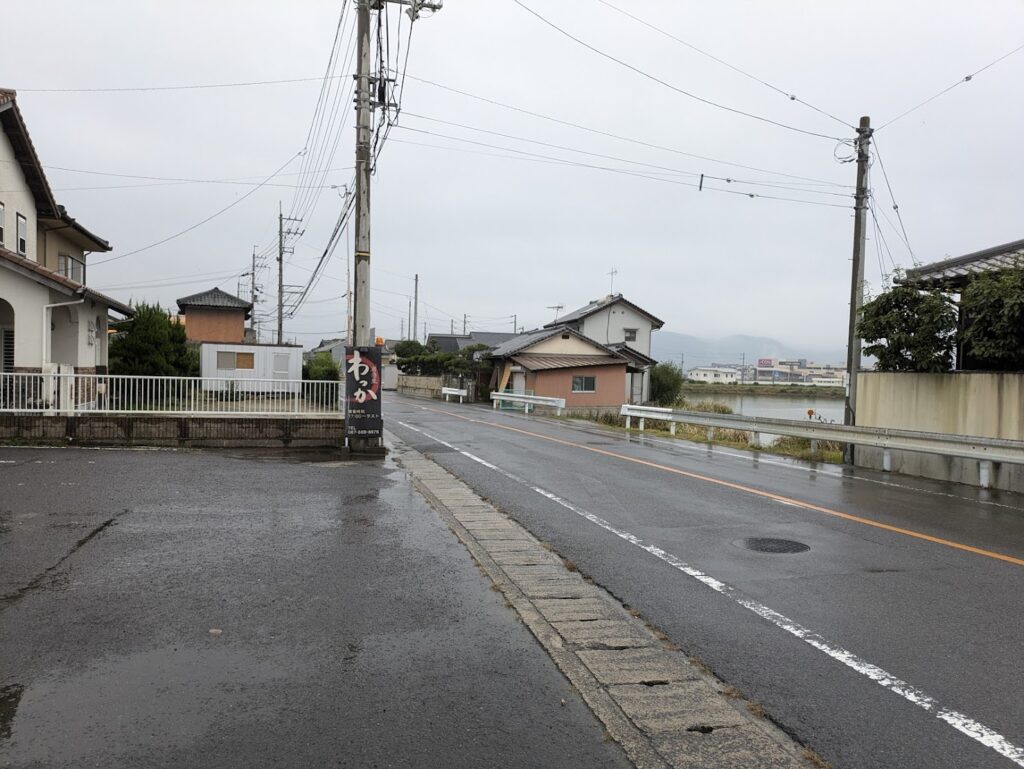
(895,205)
(734,68)
(626,172)
(947,89)
(200,223)
(629,139)
(668,85)
(728,180)
(189,87)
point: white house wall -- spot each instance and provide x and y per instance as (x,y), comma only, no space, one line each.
(27,298)
(609,325)
(17,199)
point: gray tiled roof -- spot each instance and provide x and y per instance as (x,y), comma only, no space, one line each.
(213,298)
(517,343)
(596,306)
(958,270)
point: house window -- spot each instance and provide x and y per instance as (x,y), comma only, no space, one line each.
(584,384)
(630,334)
(22,235)
(1,224)
(245,360)
(226,361)
(70,267)
(280,363)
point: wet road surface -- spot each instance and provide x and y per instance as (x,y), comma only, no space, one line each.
(883,644)
(351,630)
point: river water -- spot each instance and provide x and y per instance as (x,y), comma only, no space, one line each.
(777,407)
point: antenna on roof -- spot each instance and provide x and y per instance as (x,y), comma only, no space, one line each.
(612,274)
(557,308)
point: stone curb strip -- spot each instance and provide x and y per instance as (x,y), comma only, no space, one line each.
(660,708)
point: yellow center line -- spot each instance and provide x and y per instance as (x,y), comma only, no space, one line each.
(748,490)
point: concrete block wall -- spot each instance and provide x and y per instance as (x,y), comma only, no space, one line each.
(985,404)
(225,432)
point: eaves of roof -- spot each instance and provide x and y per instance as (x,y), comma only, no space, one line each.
(960,269)
(50,279)
(546,361)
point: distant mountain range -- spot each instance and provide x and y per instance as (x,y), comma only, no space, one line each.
(700,351)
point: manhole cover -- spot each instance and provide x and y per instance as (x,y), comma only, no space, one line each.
(773,546)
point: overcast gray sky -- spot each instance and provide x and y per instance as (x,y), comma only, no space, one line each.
(492,232)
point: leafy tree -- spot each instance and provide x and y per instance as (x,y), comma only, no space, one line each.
(409,349)
(322,367)
(150,344)
(909,330)
(993,308)
(666,383)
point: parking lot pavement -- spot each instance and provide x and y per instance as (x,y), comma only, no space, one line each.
(187,608)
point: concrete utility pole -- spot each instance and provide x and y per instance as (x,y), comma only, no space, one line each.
(281,251)
(416,308)
(361,294)
(853,348)
(451,330)
(408,325)
(280,274)
(515,323)
(463,324)
(401,328)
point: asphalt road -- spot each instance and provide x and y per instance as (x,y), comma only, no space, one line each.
(353,629)
(880,646)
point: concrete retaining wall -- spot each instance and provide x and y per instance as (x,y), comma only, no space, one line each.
(420,386)
(985,404)
(224,432)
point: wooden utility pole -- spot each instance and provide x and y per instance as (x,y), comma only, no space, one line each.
(853,348)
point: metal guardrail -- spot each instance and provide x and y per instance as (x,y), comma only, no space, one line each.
(446,391)
(529,400)
(72,394)
(985,450)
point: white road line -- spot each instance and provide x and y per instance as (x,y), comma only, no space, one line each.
(962,723)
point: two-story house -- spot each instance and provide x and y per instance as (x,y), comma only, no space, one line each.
(619,324)
(47,313)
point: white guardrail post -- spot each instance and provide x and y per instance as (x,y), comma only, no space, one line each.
(529,400)
(446,391)
(985,450)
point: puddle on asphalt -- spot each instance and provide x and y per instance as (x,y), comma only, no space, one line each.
(10,696)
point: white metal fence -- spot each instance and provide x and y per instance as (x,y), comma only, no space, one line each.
(68,394)
(528,400)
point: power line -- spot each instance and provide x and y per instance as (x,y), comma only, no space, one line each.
(200,223)
(668,85)
(947,89)
(728,180)
(629,139)
(627,172)
(895,205)
(734,68)
(189,87)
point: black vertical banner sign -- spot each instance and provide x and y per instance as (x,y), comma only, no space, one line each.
(362,393)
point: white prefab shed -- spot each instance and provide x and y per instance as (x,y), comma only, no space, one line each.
(253,367)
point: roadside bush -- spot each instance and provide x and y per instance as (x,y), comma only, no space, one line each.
(666,382)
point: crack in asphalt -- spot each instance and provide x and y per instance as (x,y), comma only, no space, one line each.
(9,599)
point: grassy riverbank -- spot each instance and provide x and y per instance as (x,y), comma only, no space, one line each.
(698,390)
(798,448)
